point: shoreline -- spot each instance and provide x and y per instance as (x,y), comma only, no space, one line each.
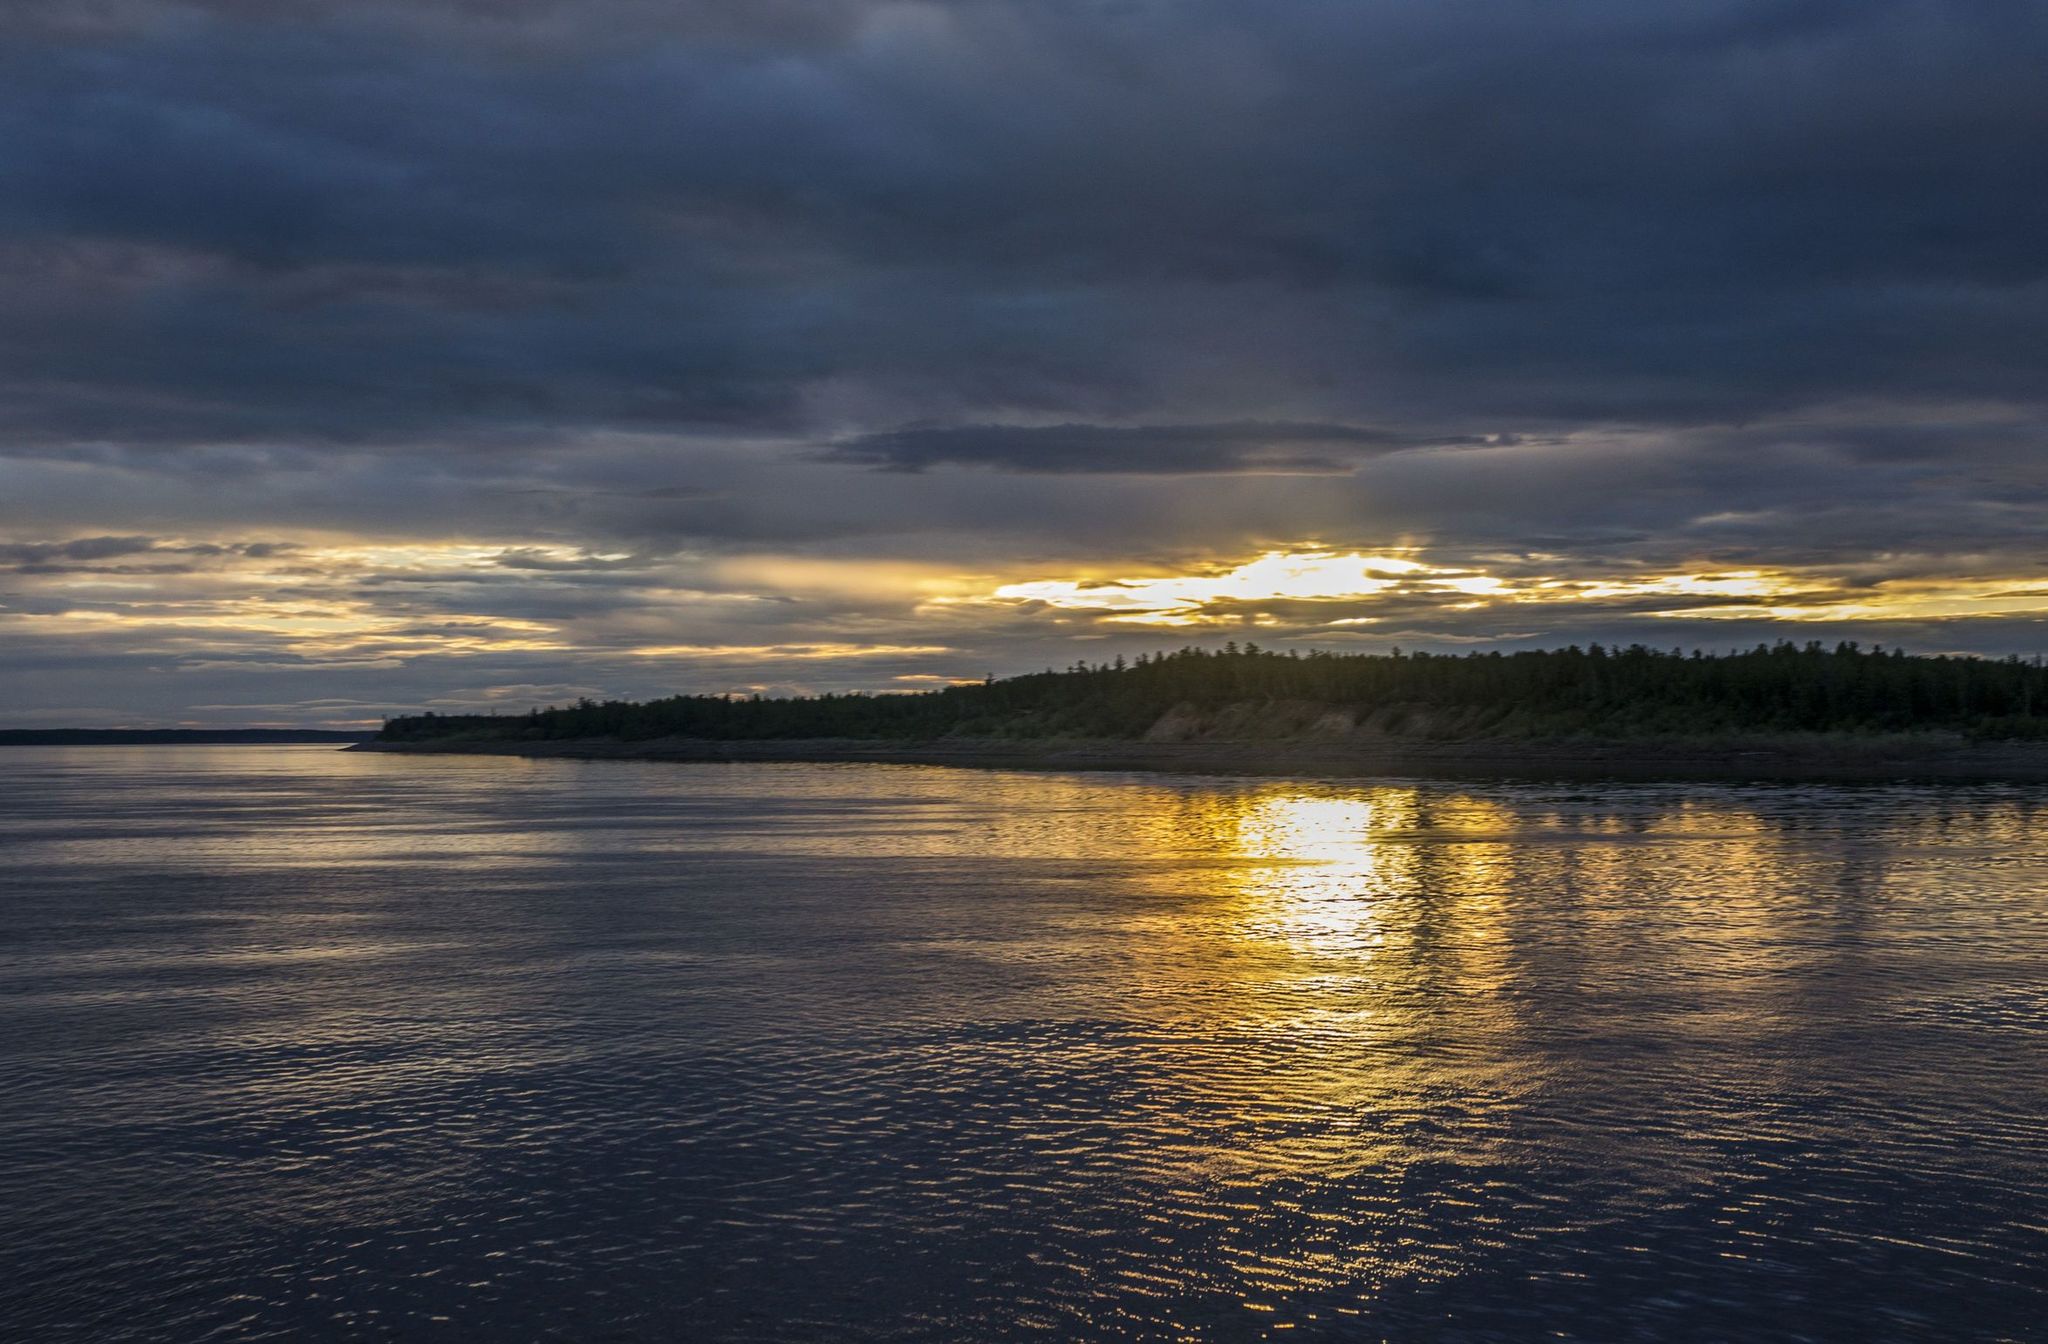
(1929,757)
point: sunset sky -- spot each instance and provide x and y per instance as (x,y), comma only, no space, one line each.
(363,357)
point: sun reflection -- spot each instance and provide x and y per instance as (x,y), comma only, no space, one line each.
(1324,830)
(1315,868)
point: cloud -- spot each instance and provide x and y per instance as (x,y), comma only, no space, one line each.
(1162,450)
(641,317)
(87,554)
(77,548)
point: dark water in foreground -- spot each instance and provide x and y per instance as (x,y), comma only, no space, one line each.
(302,1044)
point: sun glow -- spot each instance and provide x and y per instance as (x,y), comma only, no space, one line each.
(1304,575)
(326,601)
(1357,582)
(335,603)
(800,652)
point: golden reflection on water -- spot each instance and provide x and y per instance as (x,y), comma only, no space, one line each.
(1308,960)
(1334,872)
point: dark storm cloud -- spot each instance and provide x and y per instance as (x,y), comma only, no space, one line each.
(371,222)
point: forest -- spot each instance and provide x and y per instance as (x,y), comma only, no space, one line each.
(1593,691)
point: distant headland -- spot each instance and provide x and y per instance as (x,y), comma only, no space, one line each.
(149,737)
(1783,710)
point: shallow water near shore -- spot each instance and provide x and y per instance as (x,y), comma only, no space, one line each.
(299,1043)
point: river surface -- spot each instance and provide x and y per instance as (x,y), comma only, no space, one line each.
(304,1044)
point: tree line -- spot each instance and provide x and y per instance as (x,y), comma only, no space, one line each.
(1595,690)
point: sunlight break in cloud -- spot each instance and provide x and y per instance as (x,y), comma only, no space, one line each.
(1351,579)
(1306,575)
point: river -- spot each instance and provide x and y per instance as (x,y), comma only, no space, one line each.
(307,1044)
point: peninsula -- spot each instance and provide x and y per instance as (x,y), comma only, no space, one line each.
(1784,710)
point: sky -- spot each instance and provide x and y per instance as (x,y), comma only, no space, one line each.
(360,358)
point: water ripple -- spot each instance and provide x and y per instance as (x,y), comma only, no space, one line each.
(304,1044)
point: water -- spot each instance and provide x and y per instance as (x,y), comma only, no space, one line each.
(305,1044)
